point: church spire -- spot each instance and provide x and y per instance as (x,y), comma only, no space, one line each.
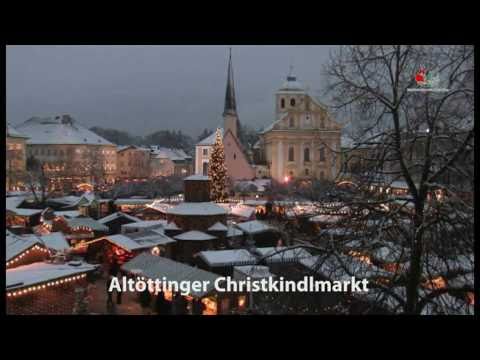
(230,103)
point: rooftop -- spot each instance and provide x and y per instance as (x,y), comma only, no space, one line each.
(194,235)
(197,208)
(139,240)
(227,257)
(59,130)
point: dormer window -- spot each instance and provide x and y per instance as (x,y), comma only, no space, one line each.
(292,102)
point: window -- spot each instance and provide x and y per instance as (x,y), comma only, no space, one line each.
(322,154)
(291,122)
(205,152)
(205,168)
(291,154)
(322,123)
(306,172)
(282,103)
(234,156)
(292,102)
(306,155)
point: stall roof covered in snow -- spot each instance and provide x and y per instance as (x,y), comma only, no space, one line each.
(194,235)
(157,267)
(139,240)
(55,241)
(133,201)
(41,272)
(233,231)
(255,227)
(197,177)
(116,215)
(227,257)
(12,204)
(252,271)
(144,224)
(239,210)
(17,244)
(197,208)
(218,226)
(327,218)
(67,213)
(59,130)
(87,222)
(282,254)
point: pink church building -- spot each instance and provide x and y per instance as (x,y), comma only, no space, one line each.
(236,161)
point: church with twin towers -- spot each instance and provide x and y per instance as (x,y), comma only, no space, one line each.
(303,141)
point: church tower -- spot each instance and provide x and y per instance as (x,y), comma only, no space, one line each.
(230,117)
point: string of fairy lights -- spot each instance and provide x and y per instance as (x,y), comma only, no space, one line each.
(44,286)
(25,253)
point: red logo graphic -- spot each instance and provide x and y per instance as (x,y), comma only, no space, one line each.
(421,76)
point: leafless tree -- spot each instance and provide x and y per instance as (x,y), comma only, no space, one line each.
(424,138)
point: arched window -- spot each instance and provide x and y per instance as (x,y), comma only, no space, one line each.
(291,122)
(291,154)
(292,102)
(306,154)
(322,154)
(282,103)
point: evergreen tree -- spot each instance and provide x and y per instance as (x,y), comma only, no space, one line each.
(217,170)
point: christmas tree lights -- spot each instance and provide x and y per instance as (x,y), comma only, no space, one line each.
(217,170)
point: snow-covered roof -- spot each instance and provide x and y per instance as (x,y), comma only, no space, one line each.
(133,201)
(218,226)
(12,203)
(291,84)
(12,132)
(194,235)
(17,244)
(197,177)
(239,210)
(197,208)
(41,272)
(271,126)
(139,240)
(169,153)
(87,222)
(59,130)
(67,213)
(252,271)
(232,232)
(227,257)
(210,139)
(55,241)
(144,224)
(158,267)
(255,202)
(282,254)
(255,227)
(116,215)
(327,219)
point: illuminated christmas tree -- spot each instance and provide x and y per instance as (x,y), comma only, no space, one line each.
(217,170)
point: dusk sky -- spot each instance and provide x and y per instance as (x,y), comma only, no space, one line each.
(143,89)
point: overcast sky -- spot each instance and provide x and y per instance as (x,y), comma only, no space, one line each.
(143,89)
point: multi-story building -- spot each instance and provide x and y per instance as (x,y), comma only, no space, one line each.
(68,153)
(304,140)
(15,158)
(236,160)
(169,162)
(133,162)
